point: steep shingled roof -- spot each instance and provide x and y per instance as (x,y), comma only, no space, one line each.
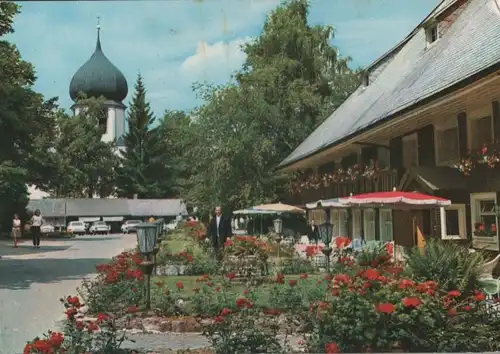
(415,72)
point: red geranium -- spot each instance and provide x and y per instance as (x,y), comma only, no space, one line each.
(386,307)
(479,296)
(342,241)
(332,348)
(411,302)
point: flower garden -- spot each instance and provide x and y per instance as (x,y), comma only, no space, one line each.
(367,303)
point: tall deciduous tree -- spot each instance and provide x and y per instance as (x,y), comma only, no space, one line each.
(26,125)
(144,169)
(177,129)
(291,77)
(86,165)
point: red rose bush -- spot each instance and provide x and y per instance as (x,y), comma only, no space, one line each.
(119,284)
(80,334)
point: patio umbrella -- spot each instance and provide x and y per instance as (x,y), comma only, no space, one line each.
(395,198)
(327,203)
(279,208)
(251,211)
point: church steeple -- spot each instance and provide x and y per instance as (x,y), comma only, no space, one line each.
(98,45)
(99,77)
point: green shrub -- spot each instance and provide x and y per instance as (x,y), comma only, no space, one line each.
(450,265)
(377,310)
(296,265)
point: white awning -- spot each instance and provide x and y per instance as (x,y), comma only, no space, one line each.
(89,219)
(112,218)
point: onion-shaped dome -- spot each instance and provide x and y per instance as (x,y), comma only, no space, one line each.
(99,77)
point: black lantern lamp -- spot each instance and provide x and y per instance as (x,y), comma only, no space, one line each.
(146,239)
(325,233)
(278,229)
(160,222)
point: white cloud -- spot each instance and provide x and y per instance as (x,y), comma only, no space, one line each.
(215,60)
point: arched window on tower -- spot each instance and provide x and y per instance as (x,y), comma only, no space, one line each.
(103,120)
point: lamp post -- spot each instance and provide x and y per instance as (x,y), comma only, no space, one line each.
(325,232)
(146,239)
(278,229)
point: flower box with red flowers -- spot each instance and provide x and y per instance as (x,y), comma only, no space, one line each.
(483,230)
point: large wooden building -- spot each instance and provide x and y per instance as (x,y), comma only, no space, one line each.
(425,118)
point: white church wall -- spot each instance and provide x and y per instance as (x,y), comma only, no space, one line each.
(110,126)
(119,122)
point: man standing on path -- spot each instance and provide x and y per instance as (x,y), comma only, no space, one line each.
(219,230)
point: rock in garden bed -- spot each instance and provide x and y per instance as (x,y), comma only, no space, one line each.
(159,324)
(190,324)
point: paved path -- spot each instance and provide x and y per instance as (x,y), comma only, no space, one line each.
(172,341)
(33,280)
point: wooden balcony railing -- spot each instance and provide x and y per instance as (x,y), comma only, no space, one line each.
(383,181)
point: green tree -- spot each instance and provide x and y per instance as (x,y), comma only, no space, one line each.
(178,133)
(26,125)
(86,166)
(144,169)
(291,77)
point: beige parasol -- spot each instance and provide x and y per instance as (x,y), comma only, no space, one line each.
(279,208)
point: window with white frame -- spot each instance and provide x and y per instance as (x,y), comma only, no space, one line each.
(356,224)
(334,220)
(369,224)
(484,220)
(447,151)
(318,215)
(338,218)
(343,218)
(385,216)
(410,151)
(431,34)
(481,132)
(453,222)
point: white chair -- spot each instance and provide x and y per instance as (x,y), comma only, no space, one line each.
(487,268)
(357,244)
(490,285)
(304,240)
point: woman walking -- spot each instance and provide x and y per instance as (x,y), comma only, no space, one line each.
(36,223)
(16,229)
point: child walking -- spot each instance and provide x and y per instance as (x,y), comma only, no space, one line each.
(16,229)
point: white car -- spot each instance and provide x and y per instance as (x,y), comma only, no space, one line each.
(130,226)
(45,229)
(100,227)
(172,225)
(77,228)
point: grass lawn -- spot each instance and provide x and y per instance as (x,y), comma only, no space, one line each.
(190,282)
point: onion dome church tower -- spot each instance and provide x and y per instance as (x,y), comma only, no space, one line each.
(99,77)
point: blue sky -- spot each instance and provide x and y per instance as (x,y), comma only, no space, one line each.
(176,43)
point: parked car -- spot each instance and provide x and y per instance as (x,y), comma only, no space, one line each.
(130,226)
(172,225)
(77,228)
(99,227)
(45,229)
